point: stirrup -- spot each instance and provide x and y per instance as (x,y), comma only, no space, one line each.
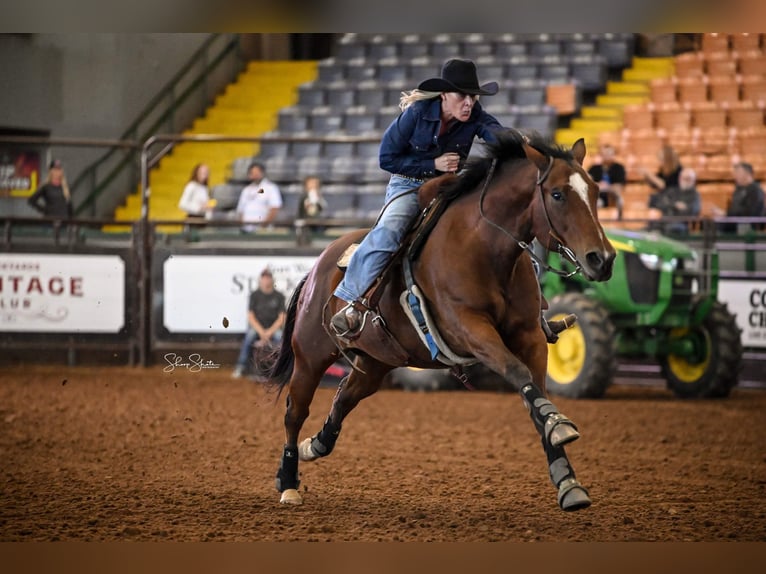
(553,328)
(347,322)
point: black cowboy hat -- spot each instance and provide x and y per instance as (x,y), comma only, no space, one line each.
(459,76)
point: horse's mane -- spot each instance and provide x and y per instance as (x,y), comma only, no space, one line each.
(507,147)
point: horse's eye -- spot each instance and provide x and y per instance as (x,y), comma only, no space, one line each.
(557,195)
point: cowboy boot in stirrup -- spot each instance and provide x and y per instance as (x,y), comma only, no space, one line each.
(346,321)
(553,328)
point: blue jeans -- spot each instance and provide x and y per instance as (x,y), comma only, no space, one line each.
(382,241)
(251,336)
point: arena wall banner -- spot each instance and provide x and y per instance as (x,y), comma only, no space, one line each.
(60,293)
(747,299)
(209,294)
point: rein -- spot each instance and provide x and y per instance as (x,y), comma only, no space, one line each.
(562,249)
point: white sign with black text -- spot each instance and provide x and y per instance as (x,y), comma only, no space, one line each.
(61,293)
(204,294)
(747,299)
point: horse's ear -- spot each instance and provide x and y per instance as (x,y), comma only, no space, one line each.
(578,150)
(536,157)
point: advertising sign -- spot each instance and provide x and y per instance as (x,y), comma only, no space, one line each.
(61,293)
(747,299)
(204,294)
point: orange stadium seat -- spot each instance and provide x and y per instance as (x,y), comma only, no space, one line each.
(745,41)
(708,115)
(662,90)
(723,88)
(690,64)
(745,115)
(720,63)
(672,117)
(715,42)
(752,63)
(694,89)
(754,88)
(637,117)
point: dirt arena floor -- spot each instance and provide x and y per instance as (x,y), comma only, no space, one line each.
(116,454)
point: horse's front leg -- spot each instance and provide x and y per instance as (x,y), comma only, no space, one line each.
(554,429)
(351,390)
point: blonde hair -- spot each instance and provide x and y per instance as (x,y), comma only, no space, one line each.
(409,98)
(64,184)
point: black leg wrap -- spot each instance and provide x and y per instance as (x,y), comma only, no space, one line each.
(324,441)
(543,413)
(287,475)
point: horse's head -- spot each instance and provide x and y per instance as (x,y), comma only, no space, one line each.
(565,216)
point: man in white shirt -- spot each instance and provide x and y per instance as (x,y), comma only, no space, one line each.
(260,201)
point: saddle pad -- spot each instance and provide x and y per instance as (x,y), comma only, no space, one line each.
(345,257)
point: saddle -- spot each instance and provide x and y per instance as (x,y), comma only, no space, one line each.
(374,332)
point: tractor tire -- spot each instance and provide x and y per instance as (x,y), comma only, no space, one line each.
(720,343)
(582,363)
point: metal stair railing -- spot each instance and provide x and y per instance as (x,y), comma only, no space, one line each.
(173,108)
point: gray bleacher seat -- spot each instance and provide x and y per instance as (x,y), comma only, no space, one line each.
(368,149)
(338,149)
(301,149)
(412,46)
(280,168)
(331,70)
(359,69)
(371,171)
(325,121)
(490,69)
(616,48)
(544,47)
(370,204)
(340,95)
(359,120)
(528,92)
(444,47)
(551,72)
(539,118)
(239,168)
(476,49)
(289,208)
(508,48)
(381,48)
(579,46)
(391,70)
(272,149)
(371,95)
(311,95)
(341,203)
(424,68)
(292,120)
(349,50)
(226,195)
(316,166)
(590,71)
(386,115)
(520,67)
(345,169)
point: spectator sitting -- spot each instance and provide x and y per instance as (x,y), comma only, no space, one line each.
(195,200)
(668,174)
(681,201)
(610,177)
(747,200)
(311,203)
(53,199)
(260,201)
(265,318)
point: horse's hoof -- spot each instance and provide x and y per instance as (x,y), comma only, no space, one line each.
(305,452)
(573,495)
(563,434)
(291,496)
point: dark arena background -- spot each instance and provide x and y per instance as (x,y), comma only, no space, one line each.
(119,328)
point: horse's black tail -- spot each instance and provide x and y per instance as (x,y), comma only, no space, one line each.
(277,368)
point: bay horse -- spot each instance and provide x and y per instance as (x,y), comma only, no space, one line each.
(480,287)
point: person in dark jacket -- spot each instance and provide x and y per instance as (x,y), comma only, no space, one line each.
(53,199)
(747,199)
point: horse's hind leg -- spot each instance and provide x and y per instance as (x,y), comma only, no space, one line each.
(352,389)
(572,495)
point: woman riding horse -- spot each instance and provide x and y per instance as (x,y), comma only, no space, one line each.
(476,276)
(432,136)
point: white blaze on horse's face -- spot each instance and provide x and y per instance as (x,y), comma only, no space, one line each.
(578,183)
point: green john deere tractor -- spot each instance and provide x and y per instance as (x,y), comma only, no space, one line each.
(660,304)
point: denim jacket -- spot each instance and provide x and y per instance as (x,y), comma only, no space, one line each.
(412,141)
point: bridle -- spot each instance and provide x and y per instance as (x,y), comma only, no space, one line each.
(562,249)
